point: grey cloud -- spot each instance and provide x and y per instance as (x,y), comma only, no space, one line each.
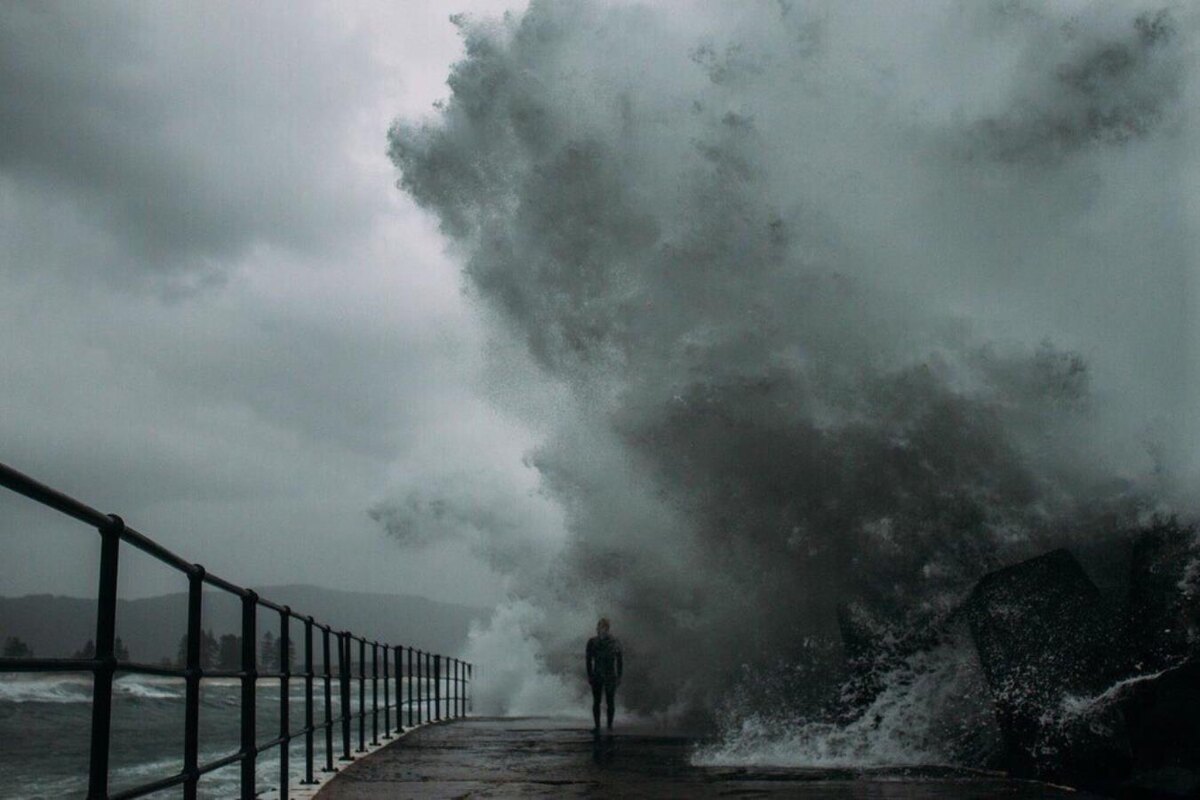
(326,381)
(1085,89)
(204,325)
(507,526)
(188,133)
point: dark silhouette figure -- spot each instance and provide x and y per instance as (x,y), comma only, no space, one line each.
(604,668)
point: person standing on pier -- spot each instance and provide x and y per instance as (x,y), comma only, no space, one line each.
(604,667)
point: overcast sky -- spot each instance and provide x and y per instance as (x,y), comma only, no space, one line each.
(218,315)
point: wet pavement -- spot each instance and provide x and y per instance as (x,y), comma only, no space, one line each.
(550,758)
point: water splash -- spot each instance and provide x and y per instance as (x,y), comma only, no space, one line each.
(799,291)
(932,709)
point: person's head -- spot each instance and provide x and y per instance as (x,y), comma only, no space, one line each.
(602,626)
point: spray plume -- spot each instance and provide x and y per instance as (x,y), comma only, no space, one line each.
(813,284)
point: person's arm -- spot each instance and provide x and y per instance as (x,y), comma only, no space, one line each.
(588,657)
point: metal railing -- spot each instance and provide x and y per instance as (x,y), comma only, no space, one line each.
(431,690)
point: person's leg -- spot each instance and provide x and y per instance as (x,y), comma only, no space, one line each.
(597,687)
(610,691)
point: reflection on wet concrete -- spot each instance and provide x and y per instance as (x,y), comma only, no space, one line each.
(551,758)
(604,748)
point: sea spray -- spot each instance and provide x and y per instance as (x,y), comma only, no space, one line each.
(510,678)
(827,313)
(933,708)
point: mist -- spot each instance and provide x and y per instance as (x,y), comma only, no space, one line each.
(813,306)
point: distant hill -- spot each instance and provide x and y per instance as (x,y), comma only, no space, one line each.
(151,627)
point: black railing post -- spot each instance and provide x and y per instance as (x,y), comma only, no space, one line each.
(344,670)
(285,700)
(106,661)
(249,676)
(328,699)
(470,688)
(421,716)
(458,692)
(191,702)
(375,693)
(397,671)
(437,687)
(362,695)
(387,696)
(410,686)
(309,672)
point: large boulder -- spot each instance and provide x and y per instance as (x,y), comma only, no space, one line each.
(1047,643)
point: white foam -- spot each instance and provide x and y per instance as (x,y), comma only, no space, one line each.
(148,689)
(924,711)
(57,689)
(1076,706)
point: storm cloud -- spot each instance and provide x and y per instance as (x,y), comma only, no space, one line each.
(218,317)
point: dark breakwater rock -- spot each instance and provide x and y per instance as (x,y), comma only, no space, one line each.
(1163,610)
(1162,717)
(1045,636)
(1161,702)
(1093,692)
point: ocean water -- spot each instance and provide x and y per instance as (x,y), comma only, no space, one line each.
(45,725)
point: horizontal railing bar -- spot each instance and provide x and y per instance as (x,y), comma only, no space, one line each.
(223,761)
(133,667)
(221,673)
(156,550)
(40,492)
(149,788)
(48,664)
(298,677)
(278,740)
(137,668)
(262,601)
(221,583)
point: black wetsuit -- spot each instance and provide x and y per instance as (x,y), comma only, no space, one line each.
(604,667)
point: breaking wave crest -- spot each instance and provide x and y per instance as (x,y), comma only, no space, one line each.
(78,689)
(42,690)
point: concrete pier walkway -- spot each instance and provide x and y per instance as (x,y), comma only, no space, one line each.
(549,758)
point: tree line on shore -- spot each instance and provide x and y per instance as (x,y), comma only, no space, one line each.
(225,652)
(215,653)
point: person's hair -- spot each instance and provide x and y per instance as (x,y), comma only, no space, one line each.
(603,623)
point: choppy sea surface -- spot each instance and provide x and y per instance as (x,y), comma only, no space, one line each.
(45,728)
